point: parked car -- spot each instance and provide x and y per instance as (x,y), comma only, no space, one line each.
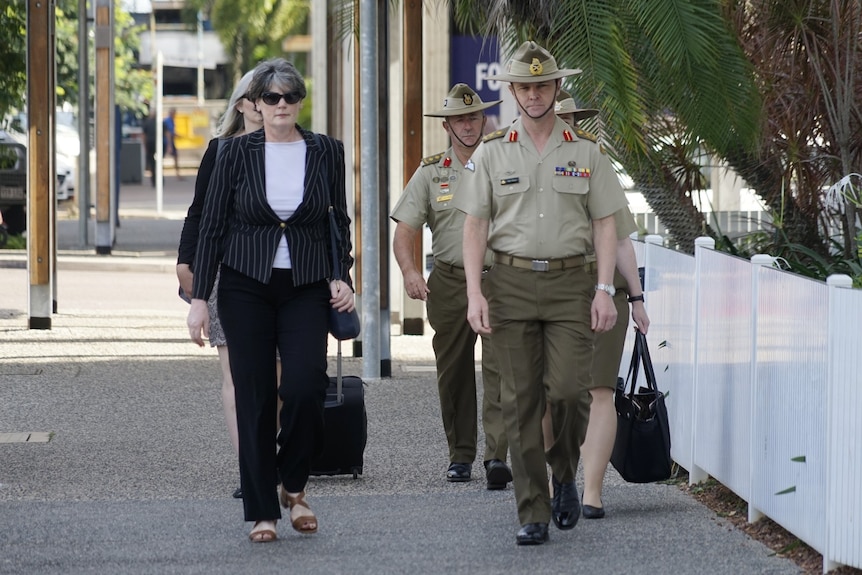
(13,184)
(13,179)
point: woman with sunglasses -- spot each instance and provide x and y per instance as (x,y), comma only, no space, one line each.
(265,220)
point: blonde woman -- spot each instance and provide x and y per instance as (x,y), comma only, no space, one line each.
(241,117)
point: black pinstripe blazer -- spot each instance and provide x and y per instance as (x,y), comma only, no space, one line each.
(239,228)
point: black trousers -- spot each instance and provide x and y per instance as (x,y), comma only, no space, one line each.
(257,319)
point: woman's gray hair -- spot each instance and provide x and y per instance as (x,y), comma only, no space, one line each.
(275,72)
(232,122)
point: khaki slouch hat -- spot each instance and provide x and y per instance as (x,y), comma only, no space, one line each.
(530,64)
(566,105)
(462,99)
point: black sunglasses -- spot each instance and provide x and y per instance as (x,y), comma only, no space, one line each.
(272,98)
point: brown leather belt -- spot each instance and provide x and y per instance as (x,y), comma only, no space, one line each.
(447,266)
(548,265)
(451,268)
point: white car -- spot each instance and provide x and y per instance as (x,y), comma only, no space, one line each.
(66,177)
(65,162)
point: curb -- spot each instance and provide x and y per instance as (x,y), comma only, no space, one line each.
(118,261)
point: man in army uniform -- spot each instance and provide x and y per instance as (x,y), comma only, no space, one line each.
(544,200)
(568,112)
(428,198)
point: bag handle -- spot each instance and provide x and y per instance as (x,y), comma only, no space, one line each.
(649,373)
(640,355)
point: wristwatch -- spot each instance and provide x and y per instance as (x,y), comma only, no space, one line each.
(607,288)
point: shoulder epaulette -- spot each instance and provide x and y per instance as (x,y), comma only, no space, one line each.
(495,135)
(432,159)
(584,135)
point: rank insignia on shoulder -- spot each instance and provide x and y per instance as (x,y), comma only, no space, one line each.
(494,135)
(432,159)
(584,135)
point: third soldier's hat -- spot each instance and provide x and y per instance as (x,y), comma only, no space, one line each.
(462,99)
(530,64)
(566,105)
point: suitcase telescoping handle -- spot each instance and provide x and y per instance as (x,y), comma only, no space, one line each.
(339,395)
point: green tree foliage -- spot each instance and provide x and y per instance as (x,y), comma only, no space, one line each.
(253,30)
(132,85)
(13,66)
(668,75)
(808,60)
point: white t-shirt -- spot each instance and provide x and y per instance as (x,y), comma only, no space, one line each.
(285,184)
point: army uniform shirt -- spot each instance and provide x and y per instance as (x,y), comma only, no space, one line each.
(540,205)
(429,198)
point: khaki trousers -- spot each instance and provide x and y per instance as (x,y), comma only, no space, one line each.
(454,343)
(543,343)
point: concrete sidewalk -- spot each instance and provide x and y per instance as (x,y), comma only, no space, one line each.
(137,473)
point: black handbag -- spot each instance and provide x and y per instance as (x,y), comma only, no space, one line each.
(642,448)
(342,325)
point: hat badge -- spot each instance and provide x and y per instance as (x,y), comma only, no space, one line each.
(468,99)
(536,67)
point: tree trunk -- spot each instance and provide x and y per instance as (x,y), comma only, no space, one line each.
(673,208)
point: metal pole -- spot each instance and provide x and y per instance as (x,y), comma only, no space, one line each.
(383,185)
(105,116)
(83,123)
(160,143)
(369,181)
(200,59)
(319,61)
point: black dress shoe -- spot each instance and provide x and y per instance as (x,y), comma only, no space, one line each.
(565,506)
(237,494)
(497,474)
(532,534)
(591,512)
(459,472)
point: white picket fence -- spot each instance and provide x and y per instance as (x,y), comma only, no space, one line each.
(763,371)
(731,223)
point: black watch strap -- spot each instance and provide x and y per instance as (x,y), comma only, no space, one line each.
(635,298)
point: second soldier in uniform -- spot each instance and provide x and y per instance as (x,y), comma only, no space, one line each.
(428,198)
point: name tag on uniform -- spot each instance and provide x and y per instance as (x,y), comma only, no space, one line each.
(444,198)
(507,181)
(572,172)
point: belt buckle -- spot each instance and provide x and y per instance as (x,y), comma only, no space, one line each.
(540,265)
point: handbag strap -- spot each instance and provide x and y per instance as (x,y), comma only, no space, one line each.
(640,355)
(334,239)
(646,360)
(336,275)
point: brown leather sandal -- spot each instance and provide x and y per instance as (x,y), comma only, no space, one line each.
(263,535)
(304,523)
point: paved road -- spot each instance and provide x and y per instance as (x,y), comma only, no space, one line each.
(137,475)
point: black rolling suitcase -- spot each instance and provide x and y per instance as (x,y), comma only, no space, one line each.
(346,426)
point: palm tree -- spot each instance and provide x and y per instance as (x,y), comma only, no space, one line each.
(668,75)
(252,30)
(808,58)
